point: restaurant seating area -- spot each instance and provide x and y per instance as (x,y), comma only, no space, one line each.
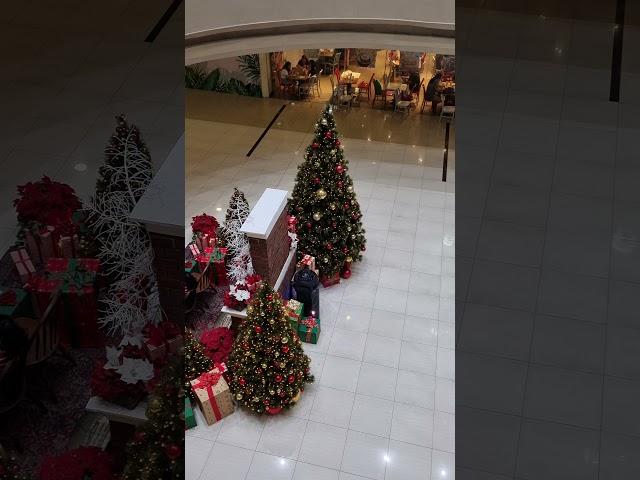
(379,79)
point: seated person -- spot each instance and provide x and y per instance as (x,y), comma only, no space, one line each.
(304,61)
(314,68)
(299,69)
(431,93)
(284,74)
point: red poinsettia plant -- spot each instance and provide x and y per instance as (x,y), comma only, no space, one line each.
(204,225)
(240,293)
(107,383)
(46,203)
(78,464)
(217,343)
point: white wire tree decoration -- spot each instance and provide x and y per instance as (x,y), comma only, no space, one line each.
(240,265)
(125,249)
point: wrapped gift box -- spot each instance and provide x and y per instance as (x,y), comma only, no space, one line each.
(191,267)
(14,302)
(213,395)
(23,264)
(189,416)
(294,313)
(219,269)
(329,281)
(75,278)
(309,330)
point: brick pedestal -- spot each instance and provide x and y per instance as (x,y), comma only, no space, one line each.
(169,266)
(269,255)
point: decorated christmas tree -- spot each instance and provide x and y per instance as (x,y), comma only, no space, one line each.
(236,241)
(324,203)
(124,247)
(196,361)
(156,450)
(9,467)
(268,367)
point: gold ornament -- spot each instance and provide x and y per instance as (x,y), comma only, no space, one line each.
(285,339)
(350,189)
(332,206)
(321,194)
(296,398)
(264,365)
(255,399)
(238,396)
(349,259)
(272,392)
(272,321)
(348,229)
(282,365)
(317,216)
(325,260)
(353,237)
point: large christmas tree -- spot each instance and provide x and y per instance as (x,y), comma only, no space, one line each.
(157,448)
(324,202)
(267,365)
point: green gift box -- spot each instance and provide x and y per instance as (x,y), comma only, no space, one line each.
(294,313)
(309,330)
(13,302)
(189,417)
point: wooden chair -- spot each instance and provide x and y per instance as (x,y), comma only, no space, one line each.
(338,97)
(424,99)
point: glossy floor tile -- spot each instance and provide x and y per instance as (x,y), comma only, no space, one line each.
(382,405)
(547,260)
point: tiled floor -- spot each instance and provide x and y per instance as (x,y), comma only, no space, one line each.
(547,263)
(382,405)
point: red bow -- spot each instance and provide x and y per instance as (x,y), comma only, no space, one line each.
(208,379)
(309,322)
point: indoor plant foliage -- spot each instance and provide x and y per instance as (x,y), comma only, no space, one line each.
(324,202)
(268,368)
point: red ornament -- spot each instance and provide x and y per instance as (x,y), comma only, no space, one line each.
(334,224)
(281,394)
(340,184)
(346,273)
(346,205)
(329,246)
(278,378)
(274,410)
(309,225)
(337,143)
(285,349)
(258,329)
(345,250)
(241,381)
(363,248)
(316,180)
(258,370)
(315,145)
(339,168)
(327,135)
(173,451)
(291,378)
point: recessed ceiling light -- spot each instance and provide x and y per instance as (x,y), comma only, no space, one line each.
(80,167)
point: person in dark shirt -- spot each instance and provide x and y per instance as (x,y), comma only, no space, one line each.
(431,92)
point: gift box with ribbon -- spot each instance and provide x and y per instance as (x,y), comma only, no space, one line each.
(294,313)
(161,340)
(219,268)
(309,329)
(13,302)
(75,279)
(189,416)
(213,394)
(309,261)
(23,263)
(191,267)
(327,281)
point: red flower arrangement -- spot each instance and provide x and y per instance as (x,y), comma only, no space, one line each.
(218,343)
(77,464)
(106,383)
(239,295)
(46,202)
(204,225)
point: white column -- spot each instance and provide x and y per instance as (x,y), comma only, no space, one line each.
(265,74)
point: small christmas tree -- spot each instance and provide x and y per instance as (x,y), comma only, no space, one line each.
(236,241)
(124,246)
(268,366)
(156,450)
(196,361)
(324,203)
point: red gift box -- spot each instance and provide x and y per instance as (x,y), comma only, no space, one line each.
(75,278)
(23,264)
(69,245)
(328,281)
(46,239)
